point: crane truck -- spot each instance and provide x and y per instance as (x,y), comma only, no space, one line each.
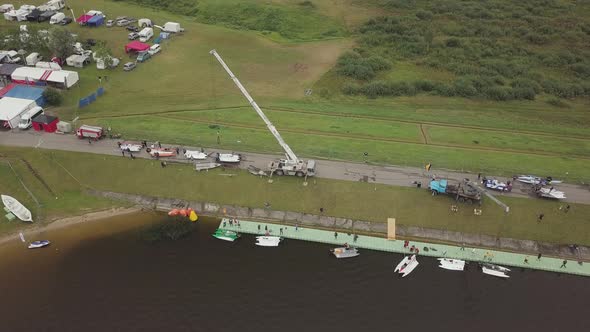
(291,165)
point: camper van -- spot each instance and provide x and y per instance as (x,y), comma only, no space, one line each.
(57,18)
(33,58)
(55,4)
(26,120)
(146,34)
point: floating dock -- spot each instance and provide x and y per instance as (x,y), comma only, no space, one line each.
(481,255)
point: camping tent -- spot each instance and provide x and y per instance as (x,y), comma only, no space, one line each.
(11,109)
(26,92)
(59,78)
(83,19)
(136,46)
(44,122)
(95,21)
(76,60)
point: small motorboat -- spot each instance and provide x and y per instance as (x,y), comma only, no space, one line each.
(451,264)
(345,252)
(230,158)
(39,244)
(131,146)
(16,208)
(226,235)
(551,193)
(406,266)
(161,152)
(268,241)
(195,155)
(495,185)
(203,166)
(495,270)
(532,179)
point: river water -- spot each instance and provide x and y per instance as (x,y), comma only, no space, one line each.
(100,276)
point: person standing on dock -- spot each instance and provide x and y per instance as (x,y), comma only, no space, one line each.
(539,257)
(296,227)
(526,260)
(355,237)
(406,244)
(258,228)
(563,264)
(281,230)
(335,235)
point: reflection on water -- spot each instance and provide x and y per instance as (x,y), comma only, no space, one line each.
(117,282)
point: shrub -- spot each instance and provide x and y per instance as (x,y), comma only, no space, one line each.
(424,85)
(350,89)
(523,83)
(453,42)
(581,70)
(52,97)
(424,15)
(536,39)
(353,65)
(557,102)
(523,93)
(464,88)
(497,93)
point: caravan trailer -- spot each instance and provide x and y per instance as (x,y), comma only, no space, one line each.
(33,58)
(146,34)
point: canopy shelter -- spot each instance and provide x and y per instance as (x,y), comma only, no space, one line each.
(95,21)
(83,19)
(136,46)
(57,78)
(11,109)
(26,92)
(44,122)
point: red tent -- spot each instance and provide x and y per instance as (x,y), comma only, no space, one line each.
(45,123)
(83,19)
(136,46)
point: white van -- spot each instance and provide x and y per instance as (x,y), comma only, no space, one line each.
(154,49)
(146,34)
(26,120)
(57,18)
(33,58)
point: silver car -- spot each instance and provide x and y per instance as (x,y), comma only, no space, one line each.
(122,23)
(129,66)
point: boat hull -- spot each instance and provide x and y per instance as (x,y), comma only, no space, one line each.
(268,241)
(451,264)
(345,252)
(39,244)
(16,208)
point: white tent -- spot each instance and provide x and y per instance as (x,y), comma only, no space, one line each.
(12,108)
(55,77)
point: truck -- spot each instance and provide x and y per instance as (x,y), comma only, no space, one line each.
(26,119)
(462,192)
(291,165)
(92,132)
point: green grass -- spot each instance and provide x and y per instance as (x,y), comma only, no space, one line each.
(354,200)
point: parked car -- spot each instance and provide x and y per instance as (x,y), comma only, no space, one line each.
(110,23)
(133,28)
(143,56)
(66,21)
(120,18)
(133,35)
(131,19)
(129,66)
(122,23)
(154,49)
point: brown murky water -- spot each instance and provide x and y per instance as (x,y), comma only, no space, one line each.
(112,281)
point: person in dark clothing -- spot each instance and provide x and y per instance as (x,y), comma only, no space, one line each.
(563,264)
(539,257)
(132,156)
(541,216)
(163,164)
(177,151)
(159,145)
(89,140)
(335,235)
(123,153)
(355,237)
(321,210)
(119,144)
(567,208)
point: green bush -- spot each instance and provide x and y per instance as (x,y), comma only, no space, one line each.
(424,15)
(52,97)
(557,102)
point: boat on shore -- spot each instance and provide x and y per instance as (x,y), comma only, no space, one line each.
(39,244)
(551,193)
(451,264)
(406,266)
(268,241)
(226,235)
(161,152)
(495,270)
(131,146)
(195,155)
(532,179)
(230,158)
(16,208)
(203,166)
(345,252)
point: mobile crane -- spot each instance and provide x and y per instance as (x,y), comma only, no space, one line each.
(291,165)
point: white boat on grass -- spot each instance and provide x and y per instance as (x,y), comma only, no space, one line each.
(451,264)
(495,185)
(131,146)
(495,270)
(268,241)
(203,166)
(38,244)
(231,158)
(551,193)
(532,179)
(345,252)
(19,210)
(407,265)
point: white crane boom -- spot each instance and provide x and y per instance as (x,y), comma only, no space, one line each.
(290,154)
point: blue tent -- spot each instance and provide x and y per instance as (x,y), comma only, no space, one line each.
(96,20)
(27,92)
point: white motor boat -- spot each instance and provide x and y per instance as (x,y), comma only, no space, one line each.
(268,241)
(345,252)
(19,210)
(131,146)
(495,185)
(38,244)
(406,266)
(195,155)
(203,166)
(451,264)
(532,179)
(551,193)
(495,270)
(228,158)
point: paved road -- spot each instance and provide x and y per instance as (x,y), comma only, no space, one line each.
(340,170)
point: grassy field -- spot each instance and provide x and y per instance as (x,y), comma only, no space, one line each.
(182,94)
(355,200)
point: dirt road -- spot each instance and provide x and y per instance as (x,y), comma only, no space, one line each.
(340,170)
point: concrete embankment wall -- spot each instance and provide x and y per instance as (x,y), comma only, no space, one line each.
(351,226)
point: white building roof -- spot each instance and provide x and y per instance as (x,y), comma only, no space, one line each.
(43,74)
(11,107)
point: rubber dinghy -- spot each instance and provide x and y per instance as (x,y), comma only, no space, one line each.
(19,210)
(451,264)
(495,270)
(407,265)
(268,241)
